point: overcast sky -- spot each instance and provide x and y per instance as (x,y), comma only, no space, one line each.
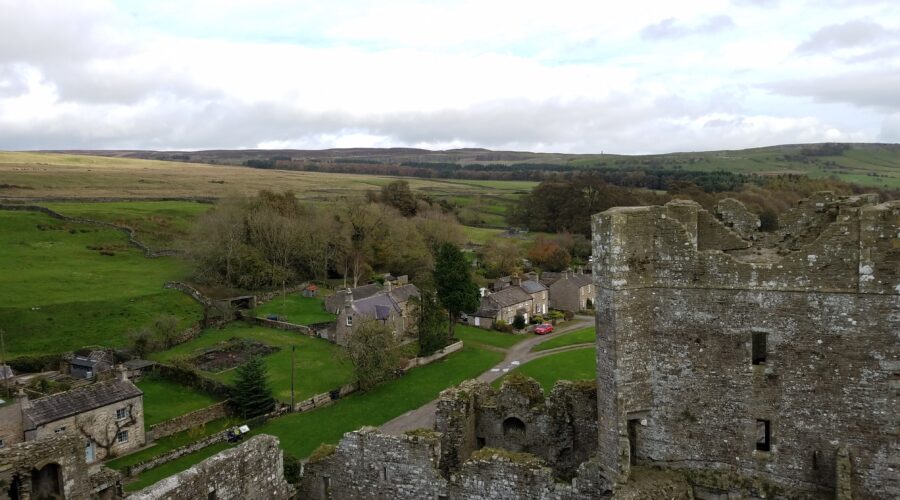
(560,76)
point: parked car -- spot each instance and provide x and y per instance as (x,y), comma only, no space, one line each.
(543,329)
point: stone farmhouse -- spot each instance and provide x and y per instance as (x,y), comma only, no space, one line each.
(572,292)
(389,305)
(528,298)
(107,416)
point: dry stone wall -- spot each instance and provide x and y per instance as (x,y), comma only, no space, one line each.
(681,309)
(253,469)
(48,468)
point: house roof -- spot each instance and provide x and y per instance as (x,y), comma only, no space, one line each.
(311,287)
(582,279)
(509,296)
(531,286)
(377,306)
(137,364)
(335,302)
(550,278)
(80,400)
(403,293)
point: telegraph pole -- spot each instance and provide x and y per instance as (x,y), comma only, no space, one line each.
(293,349)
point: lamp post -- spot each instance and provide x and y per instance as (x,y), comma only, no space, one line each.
(293,349)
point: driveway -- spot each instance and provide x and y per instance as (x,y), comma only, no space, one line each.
(518,354)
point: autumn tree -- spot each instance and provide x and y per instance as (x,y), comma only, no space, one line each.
(548,255)
(501,257)
(455,289)
(373,351)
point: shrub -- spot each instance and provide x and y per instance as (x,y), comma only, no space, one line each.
(568,315)
(519,322)
(536,319)
(502,326)
(556,315)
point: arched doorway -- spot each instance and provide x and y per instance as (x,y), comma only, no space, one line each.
(47,482)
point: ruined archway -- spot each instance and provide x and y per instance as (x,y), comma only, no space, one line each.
(47,482)
(513,427)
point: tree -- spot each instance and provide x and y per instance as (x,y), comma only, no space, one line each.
(373,350)
(166,330)
(251,394)
(398,195)
(501,257)
(518,322)
(431,322)
(549,255)
(455,288)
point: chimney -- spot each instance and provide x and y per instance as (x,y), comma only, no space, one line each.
(348,298)
(515,280)
(388,286)
(22,398)
(123,373)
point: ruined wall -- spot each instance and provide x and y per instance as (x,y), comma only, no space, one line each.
(12,429)
(560,429)
(52,466)
(370,465)
(253,469)
(676,317)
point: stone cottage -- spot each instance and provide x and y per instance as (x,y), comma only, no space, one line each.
(108,416)
(527,298)
(390,306)
(572,292)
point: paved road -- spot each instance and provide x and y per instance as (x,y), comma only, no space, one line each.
(515,356)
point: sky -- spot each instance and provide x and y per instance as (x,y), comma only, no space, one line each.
(567,76)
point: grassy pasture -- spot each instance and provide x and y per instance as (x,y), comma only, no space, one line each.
(320,365)
(164,399)
(480,336)
(58,292)
(580,336)
(578,364)
(294,308)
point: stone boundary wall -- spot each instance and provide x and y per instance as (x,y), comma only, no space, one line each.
(175,454)
(189,420)
(189,290)
(253,469)
(269,296)
(441,354)
(132,235)
(325,398)
(192,379)
(279,325)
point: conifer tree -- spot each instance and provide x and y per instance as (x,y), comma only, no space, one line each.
(252,395)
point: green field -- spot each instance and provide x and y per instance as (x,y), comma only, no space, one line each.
(579,364)
(320,366)
(159,224)
(297,309)
(474,335)
(58,294)
(164,399)
(580,336)
(301,433)
(172,442)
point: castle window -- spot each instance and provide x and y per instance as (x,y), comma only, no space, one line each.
(759,348)
(763,435)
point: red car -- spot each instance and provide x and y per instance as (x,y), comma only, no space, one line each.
(543,329)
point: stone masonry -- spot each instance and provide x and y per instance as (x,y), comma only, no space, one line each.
(48,468)
(759,363)
(253,469)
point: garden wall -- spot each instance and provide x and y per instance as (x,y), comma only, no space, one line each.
(189,420)
(441,354)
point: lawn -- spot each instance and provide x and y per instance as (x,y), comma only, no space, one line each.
(59,293)
(172,442)
(471,334)
(579,364)
(297,309)
(320,365)
(159,224)
(175,466)
(579,336)
(301,433)
(164,399)
(480,235)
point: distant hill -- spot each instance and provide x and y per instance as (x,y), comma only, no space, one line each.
(876,165)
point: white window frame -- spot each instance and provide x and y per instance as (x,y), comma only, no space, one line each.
(123,411)
(349,320)
(122,437)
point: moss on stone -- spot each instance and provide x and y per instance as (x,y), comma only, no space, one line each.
(424,433)
(322,452)
(509,456)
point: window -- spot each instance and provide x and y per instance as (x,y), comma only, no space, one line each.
(60,430)
(759,348)
(121,413)
(1,443)
(763,435)
(122,437)
(349,320)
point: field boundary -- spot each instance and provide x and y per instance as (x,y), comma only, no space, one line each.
(190,420)
(131,233)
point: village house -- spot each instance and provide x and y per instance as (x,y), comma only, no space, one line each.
(527,298)
(572,292)
(390,306)
(108,415)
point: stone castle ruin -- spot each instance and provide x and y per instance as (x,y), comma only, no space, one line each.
(750,361)
(731,363)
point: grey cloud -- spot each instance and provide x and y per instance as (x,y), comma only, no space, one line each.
(871,89)
(852,34)
(890,129)
(672,28)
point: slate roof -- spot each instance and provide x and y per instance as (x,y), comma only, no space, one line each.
(509,296)
(137,364)
(403,293)
(334,303)
(377,306)
(578,280)
(532,286)
(550,278)
(80,400)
